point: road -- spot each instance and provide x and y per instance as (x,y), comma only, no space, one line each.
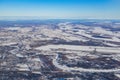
(65,68)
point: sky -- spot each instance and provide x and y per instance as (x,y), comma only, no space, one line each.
(70,9)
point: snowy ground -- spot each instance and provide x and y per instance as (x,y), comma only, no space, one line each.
(80,48)
(65,68)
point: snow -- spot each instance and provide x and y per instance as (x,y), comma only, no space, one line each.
(118,75)
(96,30)
(7,44)
(13,28)
(110,44)
(102,31)
(65,68)
(36,72)
(81,48)
(19,55)
(35,59)
(22,67)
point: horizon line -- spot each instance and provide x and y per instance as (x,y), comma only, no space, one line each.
(45,18)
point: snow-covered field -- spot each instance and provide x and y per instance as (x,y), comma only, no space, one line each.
(80,48)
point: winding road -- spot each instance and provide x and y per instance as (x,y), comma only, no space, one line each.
(65,68)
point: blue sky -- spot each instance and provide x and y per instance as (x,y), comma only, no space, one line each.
(100,9)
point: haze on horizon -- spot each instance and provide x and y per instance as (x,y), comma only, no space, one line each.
(59,9)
